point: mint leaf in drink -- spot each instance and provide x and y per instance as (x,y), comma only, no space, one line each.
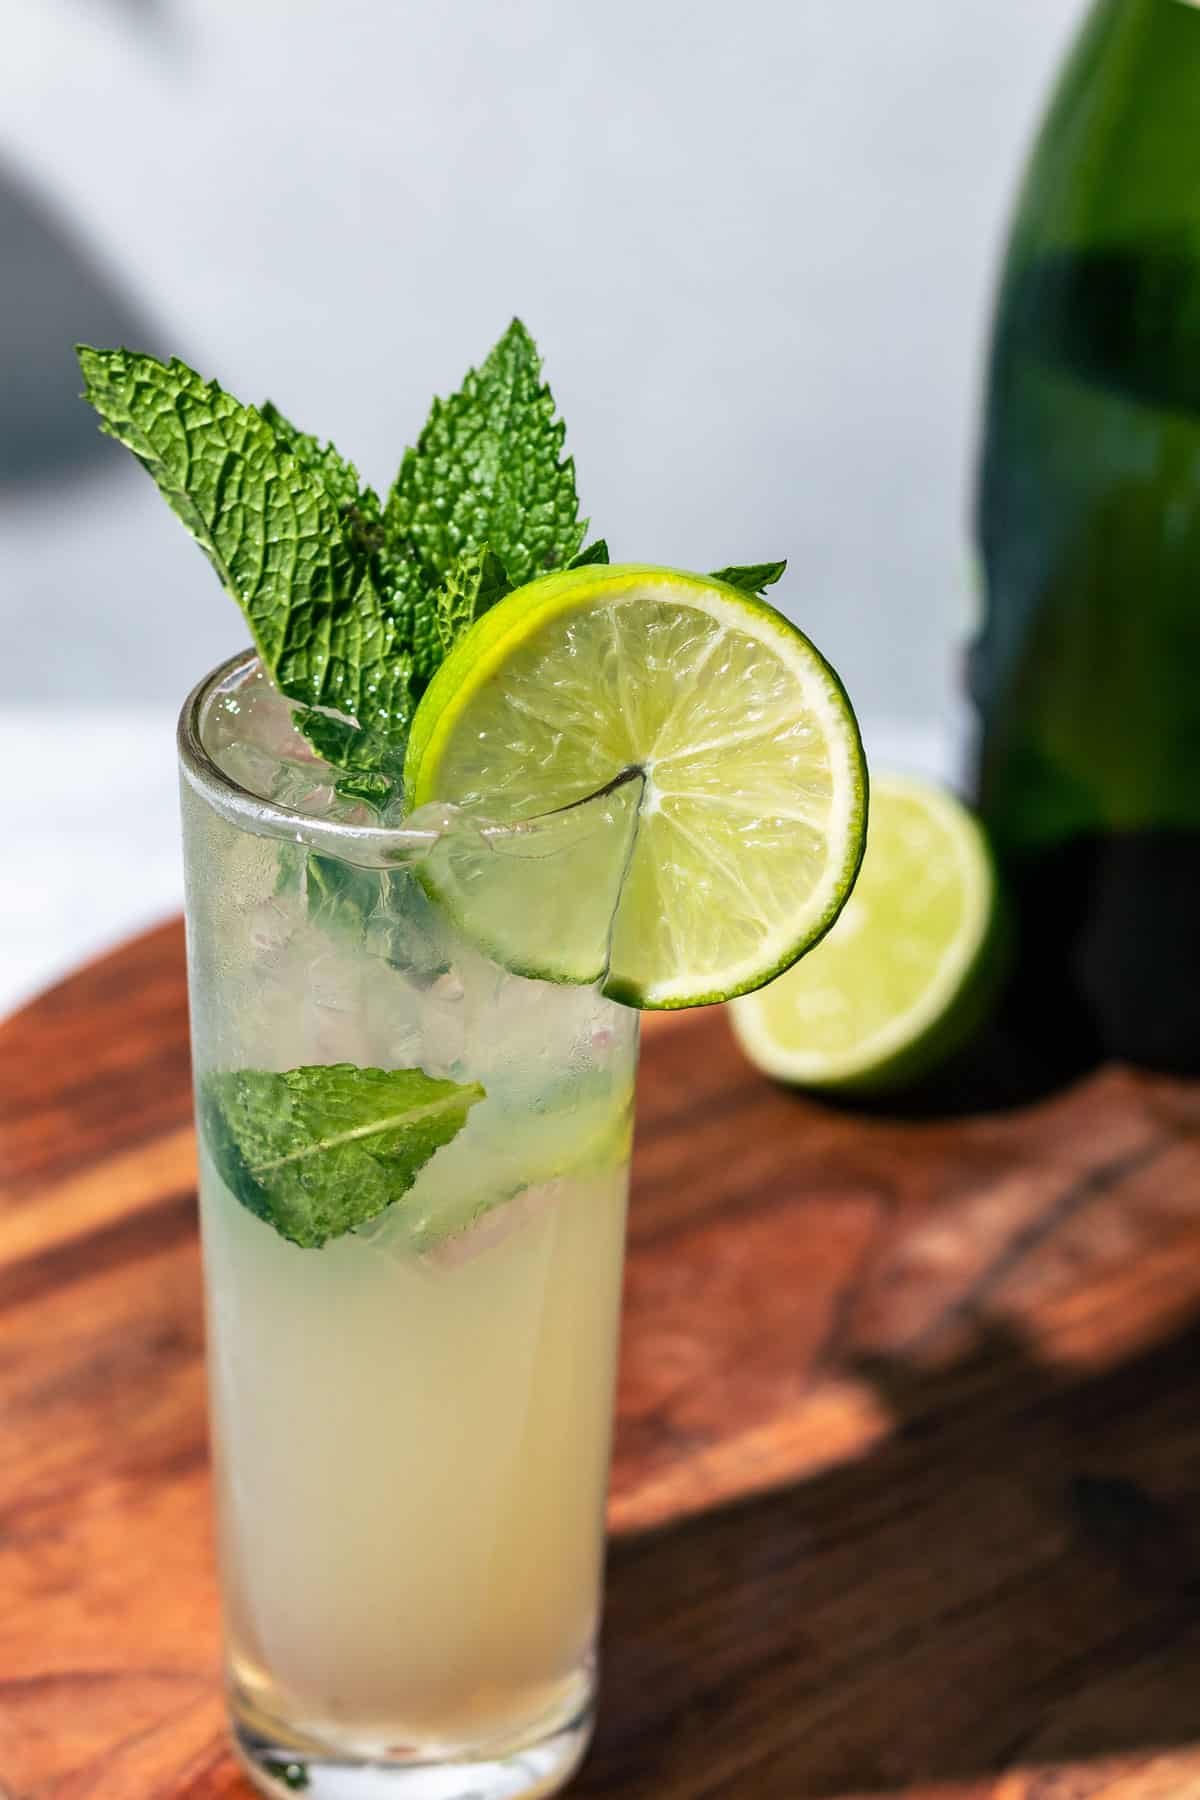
(339,895)
(362,754)
(474,582)
(488,469)
(372,785)
(595,552)
(319,1151)
(370,746)
(752,578)
(373,760)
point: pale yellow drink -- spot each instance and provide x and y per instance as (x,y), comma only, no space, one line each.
(412,1455)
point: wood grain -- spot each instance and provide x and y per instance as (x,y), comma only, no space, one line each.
(906,1491)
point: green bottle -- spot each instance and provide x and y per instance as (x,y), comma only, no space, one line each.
(1086,673)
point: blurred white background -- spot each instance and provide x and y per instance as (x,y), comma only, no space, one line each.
(755,244)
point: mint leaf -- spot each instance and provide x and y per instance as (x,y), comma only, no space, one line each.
(596,552)
(335,892)
(318,1151)
(476,580)
(488,468)
(337,740)
(267,525)
(373,759)
(353,605)
(752,578)
(358,506)
(398,580)
(372,785)
(338,894)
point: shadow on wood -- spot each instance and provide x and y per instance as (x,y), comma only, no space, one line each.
(1011,1579)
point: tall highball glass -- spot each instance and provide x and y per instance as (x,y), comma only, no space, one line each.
(411,1420)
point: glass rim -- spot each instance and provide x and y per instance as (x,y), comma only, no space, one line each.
(371,846)
(368,846)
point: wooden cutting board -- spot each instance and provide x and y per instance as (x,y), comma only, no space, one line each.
(906,1497)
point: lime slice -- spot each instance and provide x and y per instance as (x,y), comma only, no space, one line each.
(738,736)
(538,896)
(911,967)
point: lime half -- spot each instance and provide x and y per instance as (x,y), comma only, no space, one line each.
(911,967)
(735,733)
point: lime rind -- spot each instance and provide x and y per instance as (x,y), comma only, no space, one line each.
(951,1007)
(826,699)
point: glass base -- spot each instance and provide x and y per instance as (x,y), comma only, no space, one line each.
(525,1773)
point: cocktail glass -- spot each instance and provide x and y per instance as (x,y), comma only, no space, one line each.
(410,1423)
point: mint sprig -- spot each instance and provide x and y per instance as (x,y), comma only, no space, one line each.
(488,469)
(353,604)
(319,1151)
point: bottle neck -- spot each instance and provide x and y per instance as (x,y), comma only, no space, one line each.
(1117,161)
